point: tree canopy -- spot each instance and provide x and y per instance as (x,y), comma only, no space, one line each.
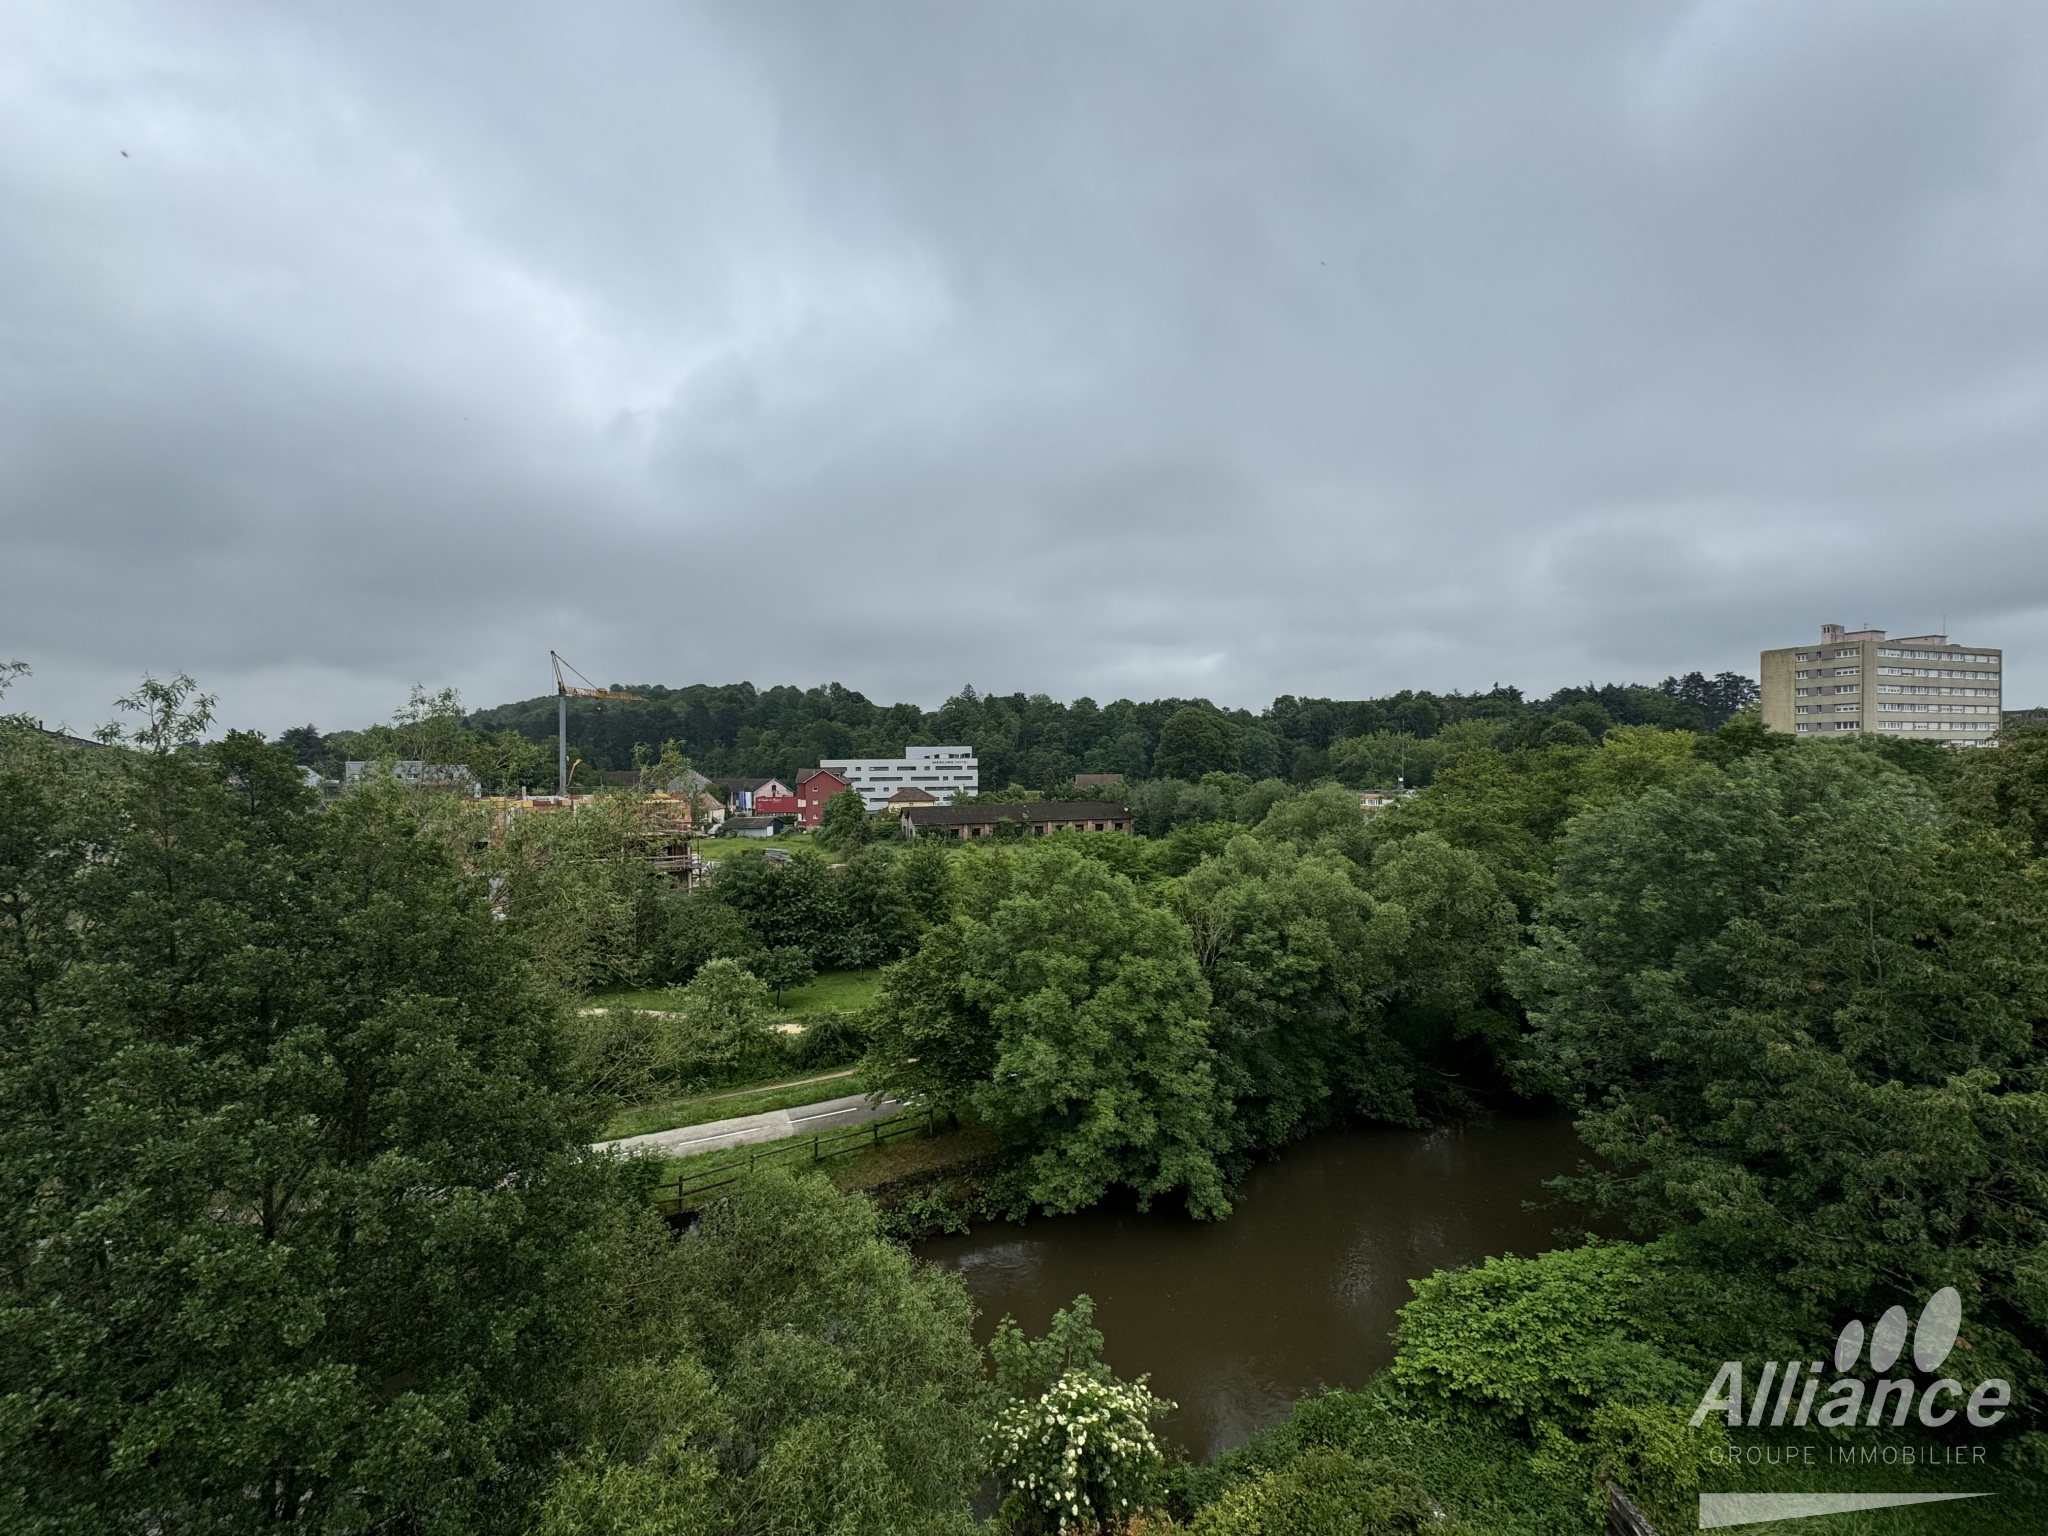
(1063,1007)
(300,1221)
(1798,1005)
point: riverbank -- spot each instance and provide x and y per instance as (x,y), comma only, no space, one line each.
(923,1184)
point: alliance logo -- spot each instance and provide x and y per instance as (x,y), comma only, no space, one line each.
(1934,1336)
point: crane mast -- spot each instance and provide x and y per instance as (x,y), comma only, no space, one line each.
(563,688)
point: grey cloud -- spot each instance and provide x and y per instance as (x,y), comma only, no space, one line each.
(1196,349)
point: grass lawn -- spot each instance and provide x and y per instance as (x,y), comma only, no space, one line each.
(832,991)
(827,991)
(715,849)
(730,1103)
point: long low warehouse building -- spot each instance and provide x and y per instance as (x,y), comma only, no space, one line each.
(1032,820)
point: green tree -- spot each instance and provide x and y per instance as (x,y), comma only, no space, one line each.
(920,873)
(875,921)
(1507,807)
(1297,959)
(428,726)
(788,1369)
(720,1022)
(667,771)
(1065,1008)
(576,889)
(300,1224)
(696,927)
(2009,788)
(1797,1011)
(788,903)
(1186,847)
(780,969)
(1327,819)
(1387,759)
(1195,741)
(845,824)
(1543,1339)
(1588,716)
(1633,759)
(1449,931)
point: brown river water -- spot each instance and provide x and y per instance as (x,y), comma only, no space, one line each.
(1298,1288)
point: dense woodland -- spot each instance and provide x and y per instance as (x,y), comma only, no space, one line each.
(302,1227)
(1035,742)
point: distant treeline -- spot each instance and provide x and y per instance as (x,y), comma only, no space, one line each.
(738,730)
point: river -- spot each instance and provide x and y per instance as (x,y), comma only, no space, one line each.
(1298,1288)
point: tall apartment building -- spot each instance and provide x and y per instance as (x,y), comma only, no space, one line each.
(943,772)
(1857,680)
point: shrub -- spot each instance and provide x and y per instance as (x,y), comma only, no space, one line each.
(1537,1339)
(1082,1455)
(1327,1492)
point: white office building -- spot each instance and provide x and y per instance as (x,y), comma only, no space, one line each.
(941,772)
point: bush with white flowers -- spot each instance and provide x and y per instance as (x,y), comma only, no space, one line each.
(1082,1455)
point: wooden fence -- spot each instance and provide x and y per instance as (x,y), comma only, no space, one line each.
(674,1198)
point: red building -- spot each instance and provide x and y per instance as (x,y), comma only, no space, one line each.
(814,786)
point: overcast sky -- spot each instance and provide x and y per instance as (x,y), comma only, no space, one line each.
(1080,348)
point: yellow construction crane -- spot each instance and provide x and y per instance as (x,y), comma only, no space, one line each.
(563,688)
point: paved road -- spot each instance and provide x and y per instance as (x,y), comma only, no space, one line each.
(743,1130)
